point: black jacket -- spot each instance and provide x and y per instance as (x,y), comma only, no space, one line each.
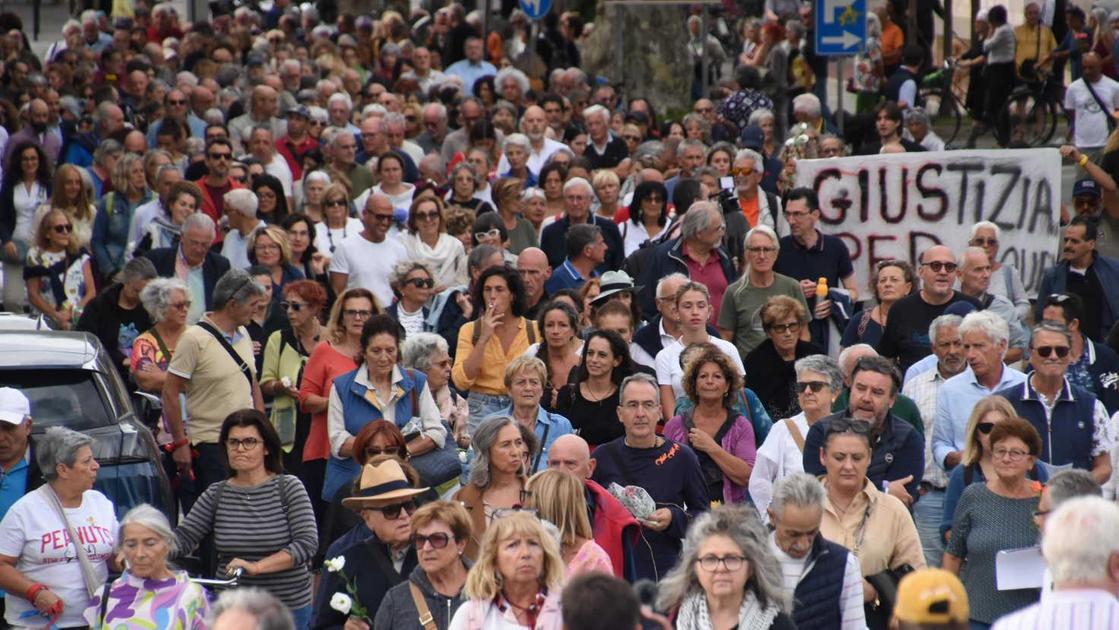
(213,268)
(370,567)
(667,259)
(101,317)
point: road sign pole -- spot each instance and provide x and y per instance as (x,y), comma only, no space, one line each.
(839,94)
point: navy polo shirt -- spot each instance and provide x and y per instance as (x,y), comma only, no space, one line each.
(828,258)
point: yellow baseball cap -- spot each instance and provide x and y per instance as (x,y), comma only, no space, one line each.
(931,596)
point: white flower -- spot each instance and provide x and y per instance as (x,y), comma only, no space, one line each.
(342,603)
(462,456)
(334,565)
(285,381)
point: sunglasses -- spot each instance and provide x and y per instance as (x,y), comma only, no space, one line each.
(742,171)
(294,306)
(1046,351)
(220,156)
(336,202)
(985,427)
(939,266)
(63,229)
(815,386)
(427,216)
(170,102)
(392,512)
(420,283)
(438,541)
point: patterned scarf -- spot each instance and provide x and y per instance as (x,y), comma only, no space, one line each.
(693,614)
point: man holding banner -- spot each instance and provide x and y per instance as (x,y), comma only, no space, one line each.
(1092,277)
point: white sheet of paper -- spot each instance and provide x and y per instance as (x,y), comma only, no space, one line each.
(1019,568)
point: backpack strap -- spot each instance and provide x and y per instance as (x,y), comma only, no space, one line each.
(412,393)
(530,330)
(794,431)
(426,619)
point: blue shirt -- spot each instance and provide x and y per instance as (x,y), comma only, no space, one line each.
(954,402)
(470,72)
(549,426)
(13,483)
(828,258)
(566,276)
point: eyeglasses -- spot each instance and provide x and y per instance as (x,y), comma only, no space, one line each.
(742,171)
(247,444)
(330,203)
(392,512)
(181,306)
(763,251)
(481,236)
(64,229)
(1057,298)
(293,306)
(427,216)
(438,541)
(648,405)
(730,563)
(979,241)
(790,327)
(356,314)
(985,427)
(815,386)
(420,283)
(268,247)
(1046,351)
(938,266)
(1012,454)
(375,451)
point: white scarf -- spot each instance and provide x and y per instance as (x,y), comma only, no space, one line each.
(445,258)
(693,614)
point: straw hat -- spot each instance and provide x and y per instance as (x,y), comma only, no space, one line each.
(380,483)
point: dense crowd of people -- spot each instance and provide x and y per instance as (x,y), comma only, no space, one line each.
(449,334)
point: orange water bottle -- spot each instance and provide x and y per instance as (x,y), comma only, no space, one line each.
(821,290)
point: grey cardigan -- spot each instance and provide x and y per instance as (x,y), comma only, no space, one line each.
(398,611)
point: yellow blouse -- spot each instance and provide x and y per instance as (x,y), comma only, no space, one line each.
(491,377)
(877,528)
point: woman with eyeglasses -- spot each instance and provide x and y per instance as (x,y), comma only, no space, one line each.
(522,235)
(58,273)
(385,499)
(70,195)
(261,519)
(380,388)
(819,382)
(892,280)
(430,354)
(648,215)
(489,229)
(977,462)
(1005,278)
(770,370)
(428,242)
(337,223)
(167,301)
(439,534)
(517,579)
(722,439)
(338,355)
(996,516)
(727,576)
(871,524)
(285,356)
(413,285)
(502,449)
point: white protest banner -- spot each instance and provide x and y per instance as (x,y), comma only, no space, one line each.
(898,205)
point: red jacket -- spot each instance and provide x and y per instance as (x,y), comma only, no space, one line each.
(615,529)
(210,208)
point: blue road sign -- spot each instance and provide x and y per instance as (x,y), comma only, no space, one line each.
(840,26)
(536,9)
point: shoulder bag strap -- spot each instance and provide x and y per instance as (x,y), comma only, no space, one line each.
(412,393)
(104,603)
(427,620)
(88,575)
(1099,101)
(159,342)
(794,431)
(530,330)
(540,451)
(244,367)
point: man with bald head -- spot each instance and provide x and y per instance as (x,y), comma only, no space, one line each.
(615,529)
(534,124)
(533,265)
(366,259)
(36,129)
(264,105)
(1089,120)
(906,337)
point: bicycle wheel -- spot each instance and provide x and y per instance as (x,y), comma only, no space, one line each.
(944,112)
(1027,120)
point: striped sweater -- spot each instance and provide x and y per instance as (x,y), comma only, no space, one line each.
(252,523)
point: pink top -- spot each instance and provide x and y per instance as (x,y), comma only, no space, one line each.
(591,557)
(739,441)
(324,364)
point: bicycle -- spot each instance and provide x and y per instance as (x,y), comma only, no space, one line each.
(946,112)
(1030,114)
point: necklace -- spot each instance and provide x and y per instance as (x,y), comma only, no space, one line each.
(841,510)
(597,398)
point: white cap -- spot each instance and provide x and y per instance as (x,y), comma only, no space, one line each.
(14,406)
(981,16)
